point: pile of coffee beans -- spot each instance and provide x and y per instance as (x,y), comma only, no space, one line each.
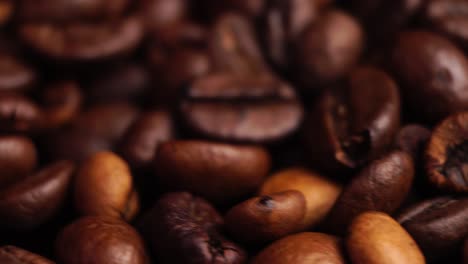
(233,131)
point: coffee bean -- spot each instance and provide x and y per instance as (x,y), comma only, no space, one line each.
(353,123)
(382,186)
(104,187)
(438,225)
(94,240)
(328,49)
(444,159)
(319,192)
(433,74)
(301,249)
(234,48)
(15,75)
(14,255)
(158,14)
(34,200)
(61,103)
(18,158)
(377,238)
(65,11)
(221,173)
(266,218)
(142,140)
(18,114)
(449,17)
(186,229)
(83,42)
(228,107)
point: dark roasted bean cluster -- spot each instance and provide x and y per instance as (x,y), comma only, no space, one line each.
(233,131)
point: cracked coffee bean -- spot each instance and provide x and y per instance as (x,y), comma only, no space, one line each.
(186,229)
(231,108)
(353,123)
(446,156)
(438,225)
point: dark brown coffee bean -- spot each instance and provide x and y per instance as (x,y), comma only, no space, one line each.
(141,142)
(449,17)
(383,19)
(433,73)
(303,248)
(159,14)
(446,156)
(18,114)
(99,128)
(328,49)
(65,11)
(18,158)
(283,22)
(6,10)
(14,255)
(221,173)
(412,139)
(104,187)
(83,42)
(234,108)
(61,103)
(234,48)
(97,240)
(376,238)
(353,123)
(185,229)
(439,225)
(266,218)
(127,82)
(36,199)
(381,186)
(15,76)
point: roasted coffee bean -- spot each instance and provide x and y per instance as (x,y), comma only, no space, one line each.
(30,202)
(186,229)
(232,108)
(282,23)
(446,156)
(83,42)
(327,50)
(97,240)
(353,123)
(267,218)
(220,173)
(412,139)
(18,159)
(66,11)
(376,238)
(438,225)
(433,74)
(234,48)
(14,255)
(6,10)
(15,76)
(18,114)
(99,128)
(319,192)
(141,142)
(303,248)
(127,82)
(104,187)
(382,186)
(61,103)
(383,19)
(449,17)
(159,14)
